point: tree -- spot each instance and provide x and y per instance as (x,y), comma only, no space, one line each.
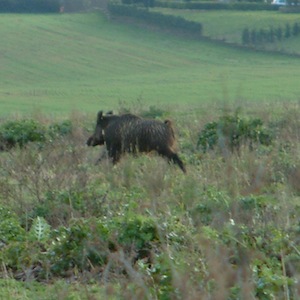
(278,33)
(246,36)
(287,33)
(296,29)
(253,37)
(271,35)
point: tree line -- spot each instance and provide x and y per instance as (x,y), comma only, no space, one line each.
(29,6)
(46,6)
(256,37)
(158,19)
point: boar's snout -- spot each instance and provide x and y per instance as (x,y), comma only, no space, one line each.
(89,142)
(93,141)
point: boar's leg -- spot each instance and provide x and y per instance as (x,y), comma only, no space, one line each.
(173,157)
(115,154)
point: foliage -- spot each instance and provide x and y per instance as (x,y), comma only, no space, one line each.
(204,212)
(208,5)
(82,245)
(157,19)
(233,131)
(20,250)
(153,112)
(19,133)
(40,229)
(30,6)
(272,35)
(135,231)
(10,228)
(60,129)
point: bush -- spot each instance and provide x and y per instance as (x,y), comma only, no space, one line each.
(60,129)
(231,132)
(10,228)
(82,245)
(135,234)
(153,112)
(19,133)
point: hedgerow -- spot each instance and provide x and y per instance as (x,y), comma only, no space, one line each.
(30,6)
(157,19)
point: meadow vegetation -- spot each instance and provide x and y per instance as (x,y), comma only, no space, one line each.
(229,229)
(74,229)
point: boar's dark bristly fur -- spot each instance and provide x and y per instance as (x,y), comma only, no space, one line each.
(131,134)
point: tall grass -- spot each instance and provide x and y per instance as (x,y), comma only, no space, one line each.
(226,230)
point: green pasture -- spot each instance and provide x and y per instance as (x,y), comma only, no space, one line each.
(61,63)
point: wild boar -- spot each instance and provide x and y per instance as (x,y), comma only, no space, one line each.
(129,133)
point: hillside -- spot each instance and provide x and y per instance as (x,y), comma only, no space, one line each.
(58,63)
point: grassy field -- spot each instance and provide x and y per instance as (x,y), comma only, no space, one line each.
(73,229)
(59,63)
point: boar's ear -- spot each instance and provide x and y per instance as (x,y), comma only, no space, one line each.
(100,115)
(110,112)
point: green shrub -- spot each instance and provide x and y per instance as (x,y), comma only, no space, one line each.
(135,231)
(212,205)
(10,228)
(153,112)
(233,131)
(60,129)
(268,279)
(81,245)
(253,236)
(19,133)
(17,251)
